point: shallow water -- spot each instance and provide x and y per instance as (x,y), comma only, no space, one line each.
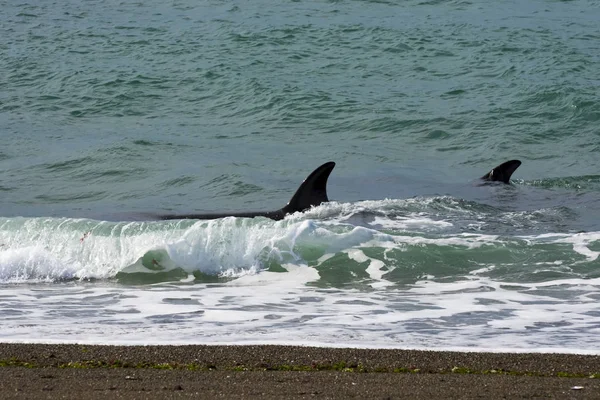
(112,113)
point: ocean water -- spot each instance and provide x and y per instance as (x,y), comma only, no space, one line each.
(114,112)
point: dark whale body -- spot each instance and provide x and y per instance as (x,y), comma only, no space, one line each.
(502,172)
(311,193)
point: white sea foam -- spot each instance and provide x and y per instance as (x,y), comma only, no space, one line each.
(61,249)
(419,289)
(477,314)
(375,268)
(412,222)
(580,241)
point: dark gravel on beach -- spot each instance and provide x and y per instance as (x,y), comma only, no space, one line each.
(81,371)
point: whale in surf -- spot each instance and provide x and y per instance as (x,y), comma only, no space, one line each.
(502,172)
(311,193)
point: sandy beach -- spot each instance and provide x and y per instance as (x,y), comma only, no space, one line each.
(82,371)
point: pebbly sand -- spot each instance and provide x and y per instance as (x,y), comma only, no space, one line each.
(80,371)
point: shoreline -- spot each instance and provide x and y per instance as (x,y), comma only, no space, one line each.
(315,345)
(274,371)
(276,356)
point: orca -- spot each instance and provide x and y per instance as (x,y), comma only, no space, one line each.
(311,193)
(502,172)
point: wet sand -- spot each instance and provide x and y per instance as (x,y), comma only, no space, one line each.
(81,371)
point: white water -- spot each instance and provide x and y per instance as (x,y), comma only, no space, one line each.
(476,314)
(341,284)
(49,249)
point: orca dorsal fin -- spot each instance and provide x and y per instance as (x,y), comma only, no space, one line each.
(312,192)
(502,172)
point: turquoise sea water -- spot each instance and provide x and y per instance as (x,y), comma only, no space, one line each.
(114,112)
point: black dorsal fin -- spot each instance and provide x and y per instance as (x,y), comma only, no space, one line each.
(502,172)
(312,192)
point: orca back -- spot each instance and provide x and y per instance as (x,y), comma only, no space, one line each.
(311,193)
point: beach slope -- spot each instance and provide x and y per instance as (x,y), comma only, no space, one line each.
(84,371)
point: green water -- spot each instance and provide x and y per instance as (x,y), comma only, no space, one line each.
(120,111)
(112,112)
(148,106)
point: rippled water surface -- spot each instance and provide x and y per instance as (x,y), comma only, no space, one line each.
(112,113)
